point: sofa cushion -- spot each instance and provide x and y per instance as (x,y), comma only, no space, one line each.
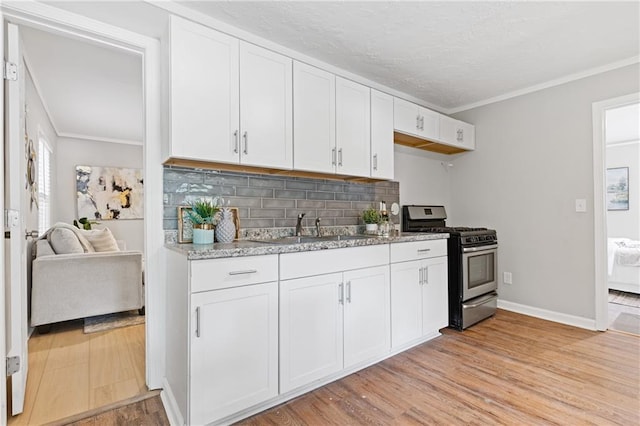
(65,241)
(101,240)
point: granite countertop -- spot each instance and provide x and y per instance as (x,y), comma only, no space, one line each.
(257,248)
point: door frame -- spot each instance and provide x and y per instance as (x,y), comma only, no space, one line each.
(599,203)
(48,18)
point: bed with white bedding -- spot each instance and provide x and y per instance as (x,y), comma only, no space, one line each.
(624,264)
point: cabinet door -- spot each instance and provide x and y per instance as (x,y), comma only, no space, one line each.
(353,128)
(204,93)
(435,302)
(466,136)
(381,135)
(448,130)
(406,117)
(429,124)
(234,350)
(314,119)
(310,329)
(265,108)
(366,315)
(406,303)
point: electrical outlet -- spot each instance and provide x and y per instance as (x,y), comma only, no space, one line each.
(507,278)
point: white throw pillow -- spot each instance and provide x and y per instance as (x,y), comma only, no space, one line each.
(65,241)
(101,240)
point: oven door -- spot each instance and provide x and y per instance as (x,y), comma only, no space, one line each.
(479,271)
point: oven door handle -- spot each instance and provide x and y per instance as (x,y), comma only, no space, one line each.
(489,297)
(480,248)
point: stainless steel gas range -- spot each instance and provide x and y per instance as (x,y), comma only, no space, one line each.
(473,264)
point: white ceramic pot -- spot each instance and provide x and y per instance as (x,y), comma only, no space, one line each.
(371,228)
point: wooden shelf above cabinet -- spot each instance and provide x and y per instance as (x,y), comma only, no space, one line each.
(414,142)
(207,165)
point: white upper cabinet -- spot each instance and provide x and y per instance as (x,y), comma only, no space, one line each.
(457,133)
(314,119)
(353,128)
(415,120)
(204,93)
(266,123)
(381,135)
(231,101)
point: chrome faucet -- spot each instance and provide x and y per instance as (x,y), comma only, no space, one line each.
(299,224)
(318,227)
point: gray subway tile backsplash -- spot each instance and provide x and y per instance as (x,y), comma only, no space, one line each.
(265,201)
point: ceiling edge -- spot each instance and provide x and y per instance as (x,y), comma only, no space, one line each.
(551,83)
(99,139)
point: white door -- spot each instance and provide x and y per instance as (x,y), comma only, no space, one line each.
(16,204)
(406,303)
(406,117)
(234,350)
(448,130)
(467,135)
(310,329)
(204,93)
(314,119)
(366,315)
(435,302)
(353,128)
(266,116)
(381,135)
(429,124)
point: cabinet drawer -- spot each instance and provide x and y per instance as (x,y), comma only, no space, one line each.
(306,264)
(402,252)
(215,274)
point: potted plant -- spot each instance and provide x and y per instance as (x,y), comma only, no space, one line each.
(202,214)
(371,217)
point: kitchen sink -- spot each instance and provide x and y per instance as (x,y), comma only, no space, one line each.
(311,239)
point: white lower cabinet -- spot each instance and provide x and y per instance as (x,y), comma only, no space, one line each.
(419,297)
(234,351)
(330,322)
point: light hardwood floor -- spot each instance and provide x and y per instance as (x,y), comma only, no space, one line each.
(71,372)
(510,369)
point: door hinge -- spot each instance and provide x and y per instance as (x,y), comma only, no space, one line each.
(13,365)
(10,71)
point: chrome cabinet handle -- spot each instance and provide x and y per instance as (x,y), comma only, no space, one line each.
(421,276)
(198,321)
(246,142)
(348,291)
(375,161)
(422,123)
(426,275)
(340,157)
(235,144)
(333,157)
(248,271)
(460,135)
(423,250)
(418,121)
(341,294)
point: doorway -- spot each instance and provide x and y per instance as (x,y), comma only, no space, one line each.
(616,157)
(44,17)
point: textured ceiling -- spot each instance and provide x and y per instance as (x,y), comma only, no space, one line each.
(450,54)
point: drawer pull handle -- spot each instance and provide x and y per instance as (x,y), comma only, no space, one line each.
(423,250)
(248,271)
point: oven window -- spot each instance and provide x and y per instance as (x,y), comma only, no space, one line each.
(481,270)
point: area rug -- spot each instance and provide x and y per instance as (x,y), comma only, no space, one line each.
(111,321)
(624,298)
(629,323)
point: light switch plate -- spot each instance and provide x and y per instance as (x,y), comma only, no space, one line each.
(581,205)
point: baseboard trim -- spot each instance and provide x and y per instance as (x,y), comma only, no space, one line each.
(170,405)
(581,322)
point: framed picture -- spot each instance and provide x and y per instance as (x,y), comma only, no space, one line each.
(185,226)
(109,193)
(618,188)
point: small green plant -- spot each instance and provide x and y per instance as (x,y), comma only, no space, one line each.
(203,211)
(370,215)
(86,223)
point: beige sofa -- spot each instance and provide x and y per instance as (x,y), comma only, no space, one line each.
(79,285)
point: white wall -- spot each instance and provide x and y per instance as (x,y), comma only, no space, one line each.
(533,159)
(75,152)
(422,177)
(626,223)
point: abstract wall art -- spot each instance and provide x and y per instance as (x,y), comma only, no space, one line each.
(105,193)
